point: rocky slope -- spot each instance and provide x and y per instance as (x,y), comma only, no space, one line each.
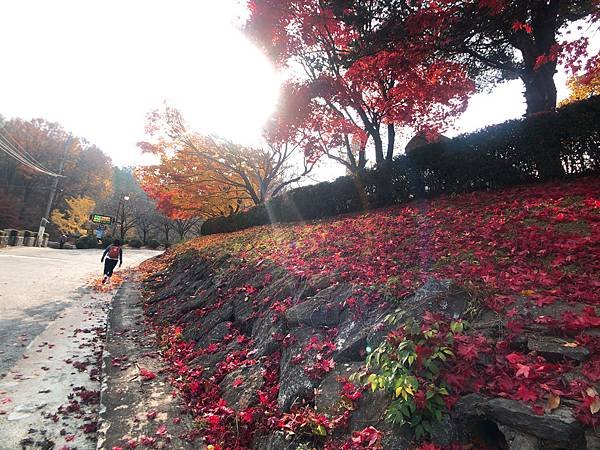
(300,336)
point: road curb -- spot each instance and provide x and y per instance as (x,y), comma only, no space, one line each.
(132,408)
(103,425)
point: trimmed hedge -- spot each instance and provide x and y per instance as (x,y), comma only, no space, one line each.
(86,242)
(517,151)
(153,244)
(135,243)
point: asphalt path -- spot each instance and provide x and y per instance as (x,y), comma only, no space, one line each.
(52,326)
(36,284)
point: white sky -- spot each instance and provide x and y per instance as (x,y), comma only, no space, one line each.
(99,67)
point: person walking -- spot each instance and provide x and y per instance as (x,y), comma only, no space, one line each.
(62,241)
(112,254)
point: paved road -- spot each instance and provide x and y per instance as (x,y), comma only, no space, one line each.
(33,277)
(51,336)
(37,283)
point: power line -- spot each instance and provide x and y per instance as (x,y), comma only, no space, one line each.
(18,145)
(20,158)
(24,158)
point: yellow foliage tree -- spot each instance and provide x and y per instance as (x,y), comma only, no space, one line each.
(74,219)
(583,86)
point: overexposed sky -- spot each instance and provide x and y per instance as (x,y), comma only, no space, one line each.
(99,67)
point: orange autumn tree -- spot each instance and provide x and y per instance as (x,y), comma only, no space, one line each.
(584,86)
(206,176)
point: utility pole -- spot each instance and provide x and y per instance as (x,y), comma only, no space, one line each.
(61,167)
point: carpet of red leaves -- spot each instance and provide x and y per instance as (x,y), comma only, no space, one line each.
(535,244)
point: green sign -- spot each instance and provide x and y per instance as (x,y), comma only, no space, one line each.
(99,218)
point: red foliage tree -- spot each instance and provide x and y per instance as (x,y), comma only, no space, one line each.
(500,39)
(346,94)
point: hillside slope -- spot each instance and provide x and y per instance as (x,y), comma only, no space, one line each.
(479,310)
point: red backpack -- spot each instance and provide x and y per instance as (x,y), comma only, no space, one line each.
(113,252)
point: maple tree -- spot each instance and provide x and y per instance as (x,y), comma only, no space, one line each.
(500,39)
(343,98)
(76,216)
(204,176)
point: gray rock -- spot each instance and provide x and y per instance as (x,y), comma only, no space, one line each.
(437,296)
(203,297)
(444,432)
(328,398)
(396,438)
(243,313)
(314,312)
(215,335)
(294,384)
(356,334)
(558,426)
(556,349)
(264,330)
(277,441)
(281,287)
(209,362)
(242,396)
(370,410)
(592,440)
(525,442)
(206,323)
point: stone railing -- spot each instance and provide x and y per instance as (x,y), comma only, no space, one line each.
(26,238)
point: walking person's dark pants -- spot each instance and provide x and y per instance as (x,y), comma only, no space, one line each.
(109,266)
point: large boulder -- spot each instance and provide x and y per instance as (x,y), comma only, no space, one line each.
(557,349)
(240,387)
(197,327)
(295,385)
(325,309)
(265,331)
(437,296)
(328,399)
(557,429)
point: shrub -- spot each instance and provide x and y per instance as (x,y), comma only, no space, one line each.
(514,152)
(86,242)
(407,365)
(135,243)
(153,244)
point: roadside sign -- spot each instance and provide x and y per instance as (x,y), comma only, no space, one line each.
(100,218)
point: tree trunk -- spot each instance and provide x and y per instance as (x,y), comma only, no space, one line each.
(391,142)
(377,141)
(540,90)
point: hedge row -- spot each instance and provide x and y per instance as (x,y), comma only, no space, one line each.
(558,144)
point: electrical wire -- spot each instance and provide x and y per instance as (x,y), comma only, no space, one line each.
(24,158)
(19,146)
(20,158)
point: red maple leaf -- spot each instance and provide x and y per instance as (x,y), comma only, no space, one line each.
(523,370)
(147,374)
(526,394)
